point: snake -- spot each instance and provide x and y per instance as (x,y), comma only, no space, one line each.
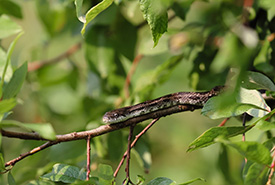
(161,103)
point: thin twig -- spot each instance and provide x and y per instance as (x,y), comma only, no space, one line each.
(223,122)
(130,74)
(38,64)
(127,168)
(133,144)
(33,151)
(88,158)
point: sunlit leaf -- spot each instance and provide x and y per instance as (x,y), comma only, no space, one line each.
(228,105)
(8,27)
(9,53)
(155,13)
(7,105)
(253,97)
(269,6)
(78,7)
(93,12)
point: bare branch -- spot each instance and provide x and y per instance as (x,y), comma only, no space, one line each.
(38,64)
(88,158)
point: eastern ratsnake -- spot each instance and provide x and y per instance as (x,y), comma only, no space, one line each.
(161,103)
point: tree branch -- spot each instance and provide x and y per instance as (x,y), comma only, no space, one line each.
(38,64)
(92,133)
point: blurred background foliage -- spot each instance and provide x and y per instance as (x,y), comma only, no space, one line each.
(203,42)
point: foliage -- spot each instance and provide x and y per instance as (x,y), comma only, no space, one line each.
(133,51)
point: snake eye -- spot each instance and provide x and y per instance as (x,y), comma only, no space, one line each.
(115,115)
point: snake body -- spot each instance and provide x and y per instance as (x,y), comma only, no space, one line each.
(164,102)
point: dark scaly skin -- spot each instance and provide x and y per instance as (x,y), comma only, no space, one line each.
(164,102)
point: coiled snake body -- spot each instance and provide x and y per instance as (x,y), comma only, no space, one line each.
(164,102)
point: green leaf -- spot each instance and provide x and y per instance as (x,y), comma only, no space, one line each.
(10,50)
(193,180)
(265,125)
(223,163)
(93,12)
(2,162)
(140,179)
(161,181)
(105,172)
(269,6)
(45,130)
(262,119)
(78,7)
(7,105)
(215,110)
(11,180)
(10,8)
(65,173)
(256,174)
(253,97)
(209,136)
(155,13)
(255,80)
(102,59)
(8,27)
(231,104)
(262,60)
(251,150)
(3,59)
(13,87)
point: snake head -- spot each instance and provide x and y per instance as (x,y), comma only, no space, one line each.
(112,117)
